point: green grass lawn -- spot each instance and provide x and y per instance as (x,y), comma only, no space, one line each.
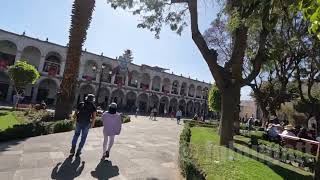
(222,163)
(8,119)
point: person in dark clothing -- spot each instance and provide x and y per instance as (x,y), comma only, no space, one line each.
(86,111)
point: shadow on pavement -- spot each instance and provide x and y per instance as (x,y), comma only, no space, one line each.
(105,170)
(68,170)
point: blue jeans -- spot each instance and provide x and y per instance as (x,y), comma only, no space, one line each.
(82,129)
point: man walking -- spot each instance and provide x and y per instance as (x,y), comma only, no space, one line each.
(178,116)
(86,111)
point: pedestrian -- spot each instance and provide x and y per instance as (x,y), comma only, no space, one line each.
(137,111)
(178,116)
(111,127)
(172,115)
(165,113)
(154,112)
(85,116)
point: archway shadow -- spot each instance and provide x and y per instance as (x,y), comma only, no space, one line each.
(68,170)
(105,170)
(283,172)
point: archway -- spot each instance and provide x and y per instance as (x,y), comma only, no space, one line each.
(8,51)
(191,90)
(4,85)
(143,102)
(154,102)
(173,107)
(199,92)
(133,80)
(166,86)
(103,98)
(117,97)
(175,85)
(145,81)
(189,108)
(52,63)
(32,55)
(156,83)
(131,101)
(84,91)
(164,103)
(197,108)
(205,93)
(182,106)
(90,71)
(183,90)
(47,91)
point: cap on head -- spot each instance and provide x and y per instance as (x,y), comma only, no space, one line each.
(113,105)
(90,98)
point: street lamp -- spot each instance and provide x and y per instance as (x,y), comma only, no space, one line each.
(94,68)
(205,91)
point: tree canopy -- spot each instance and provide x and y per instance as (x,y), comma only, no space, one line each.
(214,99)
(22,74)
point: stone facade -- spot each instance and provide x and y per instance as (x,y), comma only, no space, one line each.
(142,86)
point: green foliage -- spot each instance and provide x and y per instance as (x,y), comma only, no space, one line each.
(219,162)
(125,118)
(63,126)
(22,74)
(214,99)
(186,162)
(311,12)
(155,13)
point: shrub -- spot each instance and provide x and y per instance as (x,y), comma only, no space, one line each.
(98,122)
(125,118)
(62,126)
(286,155)
(186,163)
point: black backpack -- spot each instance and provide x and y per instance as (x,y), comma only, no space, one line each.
(84,112)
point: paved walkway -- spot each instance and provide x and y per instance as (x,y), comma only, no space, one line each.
(145,150)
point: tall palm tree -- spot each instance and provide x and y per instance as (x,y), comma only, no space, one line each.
(80,21)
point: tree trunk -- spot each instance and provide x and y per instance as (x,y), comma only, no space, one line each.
(64,108)
(229,109)
(80,21)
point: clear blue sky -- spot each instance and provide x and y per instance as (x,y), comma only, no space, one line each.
(111,32)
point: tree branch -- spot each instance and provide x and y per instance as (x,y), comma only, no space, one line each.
(257,62)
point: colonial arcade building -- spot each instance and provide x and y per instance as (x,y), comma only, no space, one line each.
(142,86)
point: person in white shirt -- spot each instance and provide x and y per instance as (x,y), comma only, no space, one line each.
(288,130)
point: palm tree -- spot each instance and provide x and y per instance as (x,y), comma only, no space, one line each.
(80,21)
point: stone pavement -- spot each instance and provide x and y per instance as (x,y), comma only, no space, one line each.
(144,150)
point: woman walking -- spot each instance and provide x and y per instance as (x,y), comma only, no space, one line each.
(111,127)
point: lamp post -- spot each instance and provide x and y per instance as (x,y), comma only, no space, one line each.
(205,91)
(94,68)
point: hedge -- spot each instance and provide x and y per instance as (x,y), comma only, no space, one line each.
(290,156)
(186,162)
(39,127)
(258,142)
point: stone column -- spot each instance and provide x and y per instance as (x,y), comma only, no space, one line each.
(9,94)
(126,83)
(41,64)
(113,79)
(35,93)
(161,84)
(62,66)
(18,56)
(81,70)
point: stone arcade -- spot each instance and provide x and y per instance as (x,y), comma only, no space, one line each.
(143,86)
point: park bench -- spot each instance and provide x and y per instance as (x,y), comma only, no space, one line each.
(301,144)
